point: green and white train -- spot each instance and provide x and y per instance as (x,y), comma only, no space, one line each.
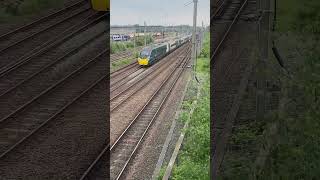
(154,53)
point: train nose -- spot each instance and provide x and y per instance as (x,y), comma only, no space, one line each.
(143,61)
(100,5)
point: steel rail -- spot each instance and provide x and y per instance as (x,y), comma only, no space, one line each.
(52,117)
(119,71)
(126,73)
(42,30)
(52,43)
(227,32)
(52,87)
(161,62)
(105,149)
(73,51)
(134,92)
(126,54)
(162,84)
(219,8)
(95,162)
(154,116)
(42,19)
(121,81)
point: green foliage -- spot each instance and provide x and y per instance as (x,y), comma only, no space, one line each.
(194,157)
(300,16)
(205,51)
(203,65)
(123,46)
(140,40)
(308,17)
(118,47)
(203,62)
(120,63)
(298,155)
(136,54)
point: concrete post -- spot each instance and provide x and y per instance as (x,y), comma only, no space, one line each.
(193,52)
(145,36)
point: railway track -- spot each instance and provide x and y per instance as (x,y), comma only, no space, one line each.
(61,155)
(227,13)
(49,67)
(23,40)
(52,44)
(129,72)
(22,122)
(231,75)
(135,131)
(31,63)
(122,55)
(122,151)
(136,81)
(21,92)
(123,73)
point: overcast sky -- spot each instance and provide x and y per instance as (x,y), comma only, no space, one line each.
(158,12)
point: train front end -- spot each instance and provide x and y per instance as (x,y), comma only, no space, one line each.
(100,5)
(144,57)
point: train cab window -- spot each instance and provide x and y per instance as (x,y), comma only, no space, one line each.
(144,53)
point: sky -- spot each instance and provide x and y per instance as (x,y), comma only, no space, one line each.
(158,12)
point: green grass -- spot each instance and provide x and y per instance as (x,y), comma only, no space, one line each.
(124,46)
(193,159)
(120,63)
(297,156)
(298,16)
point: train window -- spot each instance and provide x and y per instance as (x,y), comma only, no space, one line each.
(144,53)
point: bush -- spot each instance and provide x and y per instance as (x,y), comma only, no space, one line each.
(194,157)
(140,40)
(123,46)
(298,154)
(117,47)
(205,51)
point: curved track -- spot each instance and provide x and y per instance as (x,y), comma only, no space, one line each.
(130,85)
(124,148)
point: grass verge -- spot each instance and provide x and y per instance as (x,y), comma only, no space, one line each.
(193,159)
(120,63)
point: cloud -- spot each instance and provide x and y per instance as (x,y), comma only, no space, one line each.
(154,12)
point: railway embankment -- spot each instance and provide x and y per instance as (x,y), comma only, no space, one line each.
(192,121)
(295,153)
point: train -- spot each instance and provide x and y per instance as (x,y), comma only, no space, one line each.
(100,5)
(154,53)
(120,37)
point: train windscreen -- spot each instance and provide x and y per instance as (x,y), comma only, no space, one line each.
(144,53)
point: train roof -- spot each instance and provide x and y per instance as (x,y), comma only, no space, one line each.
(153,46)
